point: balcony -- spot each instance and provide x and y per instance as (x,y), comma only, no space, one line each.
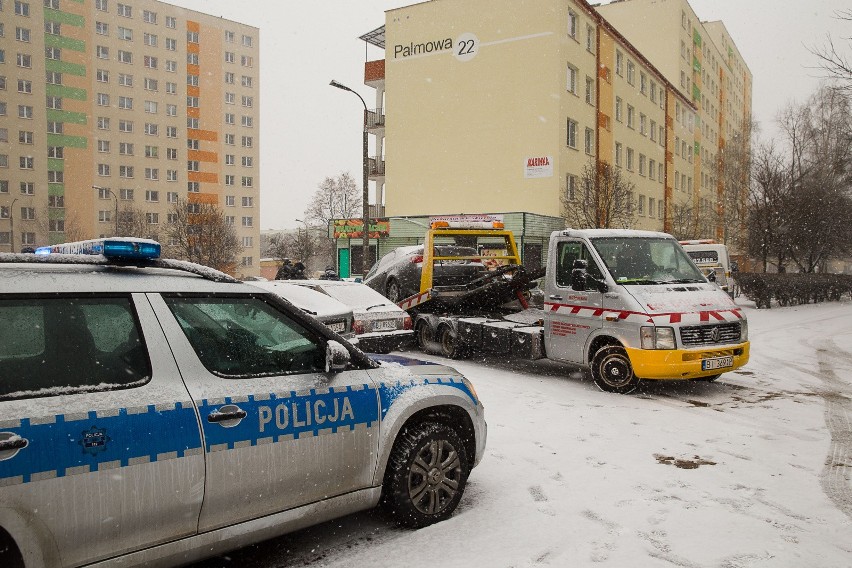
(376,169)
(375,121)
(374,73)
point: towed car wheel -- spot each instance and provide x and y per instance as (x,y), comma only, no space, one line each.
(426,476)
(392,291)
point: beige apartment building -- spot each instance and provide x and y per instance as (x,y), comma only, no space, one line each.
(109,107)
(497,105)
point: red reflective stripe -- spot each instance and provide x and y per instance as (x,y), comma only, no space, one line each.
(674,318)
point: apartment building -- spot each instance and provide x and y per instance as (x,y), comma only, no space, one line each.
(121,108)
(498,105)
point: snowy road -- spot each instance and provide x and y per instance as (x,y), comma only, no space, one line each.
(753,470)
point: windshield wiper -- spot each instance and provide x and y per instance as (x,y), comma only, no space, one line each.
(379,306)
(685,281)
(641,281)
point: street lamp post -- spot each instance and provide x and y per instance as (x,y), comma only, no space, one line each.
(365,262)
(12,226)
(115,198)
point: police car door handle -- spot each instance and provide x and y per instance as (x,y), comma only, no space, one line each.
(231,413)
(14,444)
(555,297)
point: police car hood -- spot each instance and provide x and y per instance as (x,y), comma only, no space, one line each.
(411,366)
(681,298)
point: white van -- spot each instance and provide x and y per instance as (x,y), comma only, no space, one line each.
(712,258)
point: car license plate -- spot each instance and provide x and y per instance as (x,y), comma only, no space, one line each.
(384,325)
(337,326)
(717,363)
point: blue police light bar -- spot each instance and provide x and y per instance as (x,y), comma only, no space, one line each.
(117,248)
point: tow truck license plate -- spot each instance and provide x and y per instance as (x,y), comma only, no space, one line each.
(717,363)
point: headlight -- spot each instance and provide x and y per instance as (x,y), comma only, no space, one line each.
(665,338)
(657,337)
(744,330)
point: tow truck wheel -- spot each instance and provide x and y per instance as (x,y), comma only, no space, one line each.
(709,379)
(423,332)
(451,347)
(392,291)
(426,475)
(612,371)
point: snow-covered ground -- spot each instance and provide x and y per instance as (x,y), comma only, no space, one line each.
(753,470)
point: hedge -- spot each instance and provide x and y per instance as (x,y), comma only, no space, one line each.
(790,289)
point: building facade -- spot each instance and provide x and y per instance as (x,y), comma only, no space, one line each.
(498,105)
(112,109)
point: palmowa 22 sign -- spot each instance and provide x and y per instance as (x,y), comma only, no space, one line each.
(354,228)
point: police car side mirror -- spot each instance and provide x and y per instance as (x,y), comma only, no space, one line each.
(336,357)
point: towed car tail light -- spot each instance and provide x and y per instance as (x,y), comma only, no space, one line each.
(417,259)
(358,327)
(407,323)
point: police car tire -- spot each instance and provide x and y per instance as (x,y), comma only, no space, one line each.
(410,495)
(608,365)
(451,346)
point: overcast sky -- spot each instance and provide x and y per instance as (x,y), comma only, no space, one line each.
(310,130)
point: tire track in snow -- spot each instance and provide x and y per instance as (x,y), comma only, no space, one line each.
(836,477)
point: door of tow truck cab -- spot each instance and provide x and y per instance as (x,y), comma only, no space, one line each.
(572,316)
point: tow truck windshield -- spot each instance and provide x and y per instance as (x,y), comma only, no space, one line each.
(646,261)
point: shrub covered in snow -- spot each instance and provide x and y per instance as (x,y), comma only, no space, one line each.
(790,289)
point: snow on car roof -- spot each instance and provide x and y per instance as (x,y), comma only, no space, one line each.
(305,298)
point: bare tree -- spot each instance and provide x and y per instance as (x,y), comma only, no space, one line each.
(133,222)
(833,59)
(336,198)
(603,200)
(305,244)
(768,197)
(199,232)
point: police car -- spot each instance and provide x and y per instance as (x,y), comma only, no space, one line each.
(158,412)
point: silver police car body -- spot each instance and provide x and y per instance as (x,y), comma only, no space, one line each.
(153,416)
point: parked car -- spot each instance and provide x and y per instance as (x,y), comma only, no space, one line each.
(380,326)
(334,314)
(157,412)
(397,274)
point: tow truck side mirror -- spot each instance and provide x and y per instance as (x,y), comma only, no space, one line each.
(579,275)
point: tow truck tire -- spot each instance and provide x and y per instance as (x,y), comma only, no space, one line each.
(423,332)
(709,379)
(612,371)
(392,291)
(451,346)
(426,476)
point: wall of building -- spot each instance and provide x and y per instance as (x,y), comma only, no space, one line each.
(126,83)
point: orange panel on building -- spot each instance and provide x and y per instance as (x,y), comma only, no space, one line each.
(202,156)
(208,198)
(203,177)
(209,135)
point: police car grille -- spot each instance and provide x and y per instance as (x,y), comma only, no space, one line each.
(710,334)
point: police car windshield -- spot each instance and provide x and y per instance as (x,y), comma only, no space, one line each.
(646,261)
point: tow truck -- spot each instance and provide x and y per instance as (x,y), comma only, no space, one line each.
(629,305)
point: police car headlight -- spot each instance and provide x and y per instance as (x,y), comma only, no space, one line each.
(744,330)
(665,338)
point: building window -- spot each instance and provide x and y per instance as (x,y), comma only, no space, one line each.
(229,57)
(171,175)
(248,121)
(590,91)
(103,146)
(246,81)
(643,124)
(248,221)
(229,139)
(125,148)
(22,8)
(125,171)
(248,141)
(247,41)
(171,44)
(229,179)
(125,56)
(25,61)
(641,205)
(152,129)
(152,196)
(248,102)
(171,131)
(246,61)
(103,170)
(55,176)
(229,159)
(229,36)
(642,161)
(630,72)
(25,86)
(125,80)
(101,5)
(151,84)
(149,17)
(652,206)
(152,174)
(630,159)
(192,123)
(125,10)
(247,181)
(23,34)
(652,169)
(248,162)
(24,137)
(125,103)
(171,153)
(125,34)
(171,66)
(618,154)
(192,37)
(149,39)
(572,24)
(248,202)
(125,126)
(193,166)
(103,123)
(150,62)
(643,83)
(571,80)
(102,76)
(56,54)
(171,88)
(590,39)
(152,218)
(229,77)
(230,98)
(171,22)
(229,118)
(102,99)
(27,188)
(25,111)
(589,141)
(572,133)
(152,151)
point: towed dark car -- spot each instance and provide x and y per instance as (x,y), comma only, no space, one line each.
(397,274)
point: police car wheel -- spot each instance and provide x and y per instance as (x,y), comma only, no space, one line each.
(451,346)
(427,473)
(612,371)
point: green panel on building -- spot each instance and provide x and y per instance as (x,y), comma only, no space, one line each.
(697,147)
(55,214)
(55,165)
(65,67)
(51,40)
(66,116)
(696,65)
(56,238)
(696,92)
(51,15)
(67,92)
(696,37)
(67,141)
(56,189)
